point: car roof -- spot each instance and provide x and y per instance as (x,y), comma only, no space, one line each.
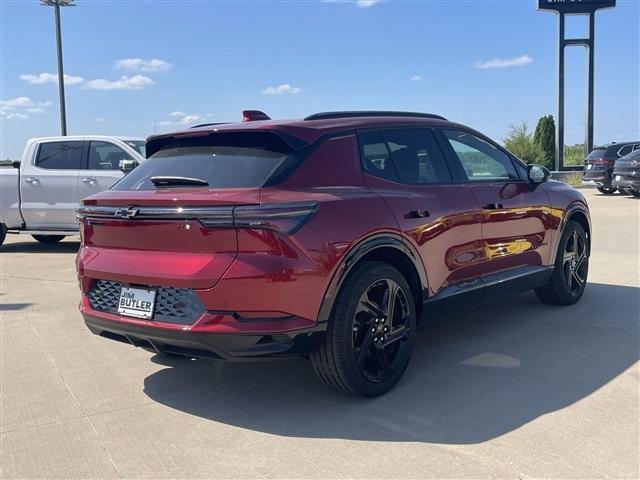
(311,129)
(616,144)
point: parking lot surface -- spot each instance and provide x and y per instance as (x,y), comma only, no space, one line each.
(514,389)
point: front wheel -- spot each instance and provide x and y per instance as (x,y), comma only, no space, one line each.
(569,278)
(607,190)
(370,336)
(48,238)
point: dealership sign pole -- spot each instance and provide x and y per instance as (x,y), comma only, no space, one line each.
(574,7)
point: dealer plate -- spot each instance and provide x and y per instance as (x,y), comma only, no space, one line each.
(618,178)
(589,167)
(137,302)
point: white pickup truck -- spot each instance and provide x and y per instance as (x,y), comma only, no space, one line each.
(40,193)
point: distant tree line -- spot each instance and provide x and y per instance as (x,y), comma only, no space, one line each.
(539,146)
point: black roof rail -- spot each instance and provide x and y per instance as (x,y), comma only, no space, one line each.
(208,124)
(371,113)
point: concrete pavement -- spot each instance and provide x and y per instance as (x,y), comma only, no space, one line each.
(515,389)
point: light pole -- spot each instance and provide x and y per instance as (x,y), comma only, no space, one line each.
(56,4)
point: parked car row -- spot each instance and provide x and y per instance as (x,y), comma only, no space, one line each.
(612,167)
(40,195)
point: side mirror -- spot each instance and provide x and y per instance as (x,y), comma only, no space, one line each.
(127,165)
(538,173)
(15,164)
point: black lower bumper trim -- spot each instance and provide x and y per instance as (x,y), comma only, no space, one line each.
(208,345)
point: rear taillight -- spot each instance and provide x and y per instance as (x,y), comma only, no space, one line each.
(286,217)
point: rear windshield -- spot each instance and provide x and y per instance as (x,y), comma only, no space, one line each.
(223,160)
(597,153)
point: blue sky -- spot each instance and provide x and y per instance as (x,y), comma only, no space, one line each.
(138,65)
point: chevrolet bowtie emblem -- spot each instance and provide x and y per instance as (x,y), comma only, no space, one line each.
(129,212)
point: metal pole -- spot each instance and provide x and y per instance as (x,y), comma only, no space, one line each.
(560,124)
(63,113)
(588,144)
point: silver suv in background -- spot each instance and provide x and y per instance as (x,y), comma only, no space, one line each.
(40,193)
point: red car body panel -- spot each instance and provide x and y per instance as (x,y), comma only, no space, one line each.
(262,284)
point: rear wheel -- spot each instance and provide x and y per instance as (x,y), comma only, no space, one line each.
(607,190)
(368,344)
(569,279)
(624,191)
(3,233)
(48,238)
(635,193)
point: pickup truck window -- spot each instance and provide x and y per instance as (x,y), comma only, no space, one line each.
(106,156)
(60,156)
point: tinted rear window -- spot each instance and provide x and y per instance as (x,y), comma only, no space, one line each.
(597,153)
(60,156)
(223,160)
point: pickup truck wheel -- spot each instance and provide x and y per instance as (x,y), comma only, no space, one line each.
(48,238)
(607,190)
(569,278)
(3,233)
(368,344)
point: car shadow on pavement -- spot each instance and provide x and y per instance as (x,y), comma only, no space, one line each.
(36,247)
(472,377)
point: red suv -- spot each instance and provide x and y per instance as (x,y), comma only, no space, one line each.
(330,237)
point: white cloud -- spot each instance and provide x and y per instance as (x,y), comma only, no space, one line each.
(41,78)
(21,107)
(16,102)
(281,89)
(520,61)
(98,119)
(141,65)
(416,78)
(366,3)
(136,82)
(182,119)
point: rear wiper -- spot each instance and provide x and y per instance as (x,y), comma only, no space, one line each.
(171,181)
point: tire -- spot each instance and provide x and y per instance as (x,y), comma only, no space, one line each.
(607,190)
(624,191)
(3,233)
(569,278)
(635,193)
(48,238)
(361,355)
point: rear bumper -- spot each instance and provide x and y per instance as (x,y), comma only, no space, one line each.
(203,344)
(632,183)
(599,181)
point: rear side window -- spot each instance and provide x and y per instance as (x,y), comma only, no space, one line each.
(405,155)
(60,156)
(625,150)
(106,156)
(223,160)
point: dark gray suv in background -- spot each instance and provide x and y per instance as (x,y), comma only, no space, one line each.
(598,166)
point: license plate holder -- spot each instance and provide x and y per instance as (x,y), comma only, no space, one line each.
(618,178)
(137,302)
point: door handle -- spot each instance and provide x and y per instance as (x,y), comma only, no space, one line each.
(492,206)
(417,214)
(90,181)
(32,180)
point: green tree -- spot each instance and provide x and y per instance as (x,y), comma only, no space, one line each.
(545,138)
(520,143)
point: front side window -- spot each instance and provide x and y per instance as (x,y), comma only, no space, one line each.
(106,156)
(60,156)
(481,160)
(220,160)
(625,150)
(408,155)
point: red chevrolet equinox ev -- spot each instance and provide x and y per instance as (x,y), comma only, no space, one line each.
(330,237)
